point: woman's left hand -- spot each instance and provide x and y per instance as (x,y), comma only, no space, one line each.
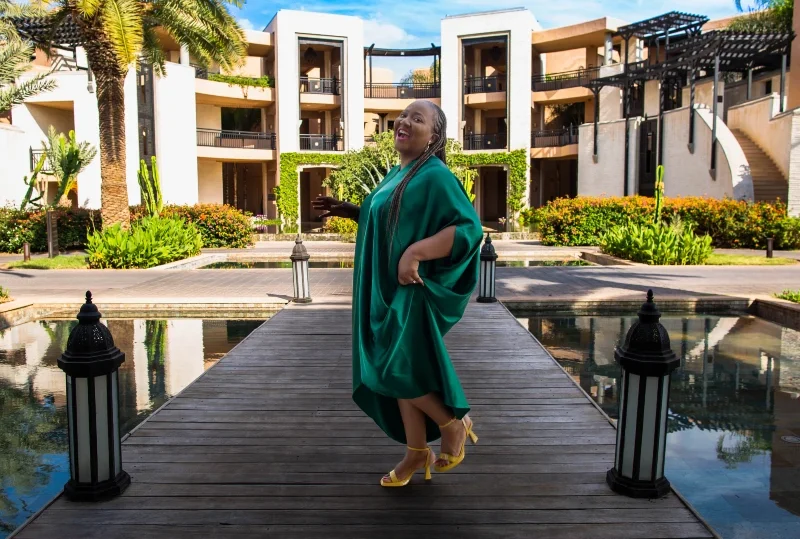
(408,269)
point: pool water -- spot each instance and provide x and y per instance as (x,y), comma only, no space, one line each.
(161,358)
(734,419)
(348,264)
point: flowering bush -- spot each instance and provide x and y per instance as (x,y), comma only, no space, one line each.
(341,226)
(220,225)
(18,227)
(731,223)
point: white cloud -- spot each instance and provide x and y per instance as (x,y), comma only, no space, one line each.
(246,24)
(386,35)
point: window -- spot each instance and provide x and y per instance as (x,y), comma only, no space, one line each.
(768,87)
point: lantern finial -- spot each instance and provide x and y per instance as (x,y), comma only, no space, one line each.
(89,314)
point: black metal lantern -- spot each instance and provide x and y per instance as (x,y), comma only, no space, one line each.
(647,361)
(302,292)
(91,363)
(486,278)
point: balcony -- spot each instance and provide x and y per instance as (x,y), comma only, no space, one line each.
(551,82)
(321,143)
(554,143)
(223,94)
(320,86)
(35,155)
(485,141)
(484,85)
(402,91)
(236,145)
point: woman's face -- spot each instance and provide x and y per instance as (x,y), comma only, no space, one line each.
(413,129)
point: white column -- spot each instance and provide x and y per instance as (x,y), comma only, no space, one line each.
(132,138)
(184,55)
(184,361)
(608,49)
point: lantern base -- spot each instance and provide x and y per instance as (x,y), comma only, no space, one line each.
(301,300)
(637,489)
(482,299)
(99,492)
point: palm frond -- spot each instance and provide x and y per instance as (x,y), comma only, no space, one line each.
(206,27)
(88,8)
(152,52)
(14,61)
(16,94)
(122,22)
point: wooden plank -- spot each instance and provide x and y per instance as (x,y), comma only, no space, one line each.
(270,443)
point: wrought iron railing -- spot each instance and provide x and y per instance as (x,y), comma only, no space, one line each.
(322,143)
(200,72)
(419,90)
(485,141)
(554,137)
(250,140)
(320,86)
(481,85)
(565,79)
(35,155)
(369,139)
(636,66)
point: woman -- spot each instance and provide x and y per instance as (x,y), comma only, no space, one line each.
(416,265)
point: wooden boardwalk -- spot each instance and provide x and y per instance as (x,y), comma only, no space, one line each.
(268,443)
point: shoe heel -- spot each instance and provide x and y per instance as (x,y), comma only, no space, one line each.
(472,436)
(427,473)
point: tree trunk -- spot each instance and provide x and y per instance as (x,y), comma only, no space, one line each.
(114,186)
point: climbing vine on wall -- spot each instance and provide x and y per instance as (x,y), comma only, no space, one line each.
(517,163)
(287,192)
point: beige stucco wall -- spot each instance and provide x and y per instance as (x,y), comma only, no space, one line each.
(760,120)
(793,82)
(556,62)
(651,98)
(605,178)
(703,94)
(209,178)
(687,173)
(209,117)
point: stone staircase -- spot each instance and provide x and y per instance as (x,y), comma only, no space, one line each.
(768,182)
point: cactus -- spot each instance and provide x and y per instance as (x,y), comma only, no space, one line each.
(659,193)
(150,186)
(28,199)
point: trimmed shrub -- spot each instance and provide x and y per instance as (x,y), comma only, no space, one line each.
(151,241)
(657,244)
(18,227)
(219,225)
(731,223)
(341,225)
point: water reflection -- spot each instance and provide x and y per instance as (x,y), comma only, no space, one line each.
(161,358)
(734,401)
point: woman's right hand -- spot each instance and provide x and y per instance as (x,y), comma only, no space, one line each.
(334,208)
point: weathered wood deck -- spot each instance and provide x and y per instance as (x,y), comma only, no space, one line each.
(269,443)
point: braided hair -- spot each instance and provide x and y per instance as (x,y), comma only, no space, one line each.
(435,148)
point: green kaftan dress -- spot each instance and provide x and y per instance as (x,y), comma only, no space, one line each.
(398,331)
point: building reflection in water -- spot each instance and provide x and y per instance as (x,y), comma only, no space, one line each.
(161,358)
(734,403)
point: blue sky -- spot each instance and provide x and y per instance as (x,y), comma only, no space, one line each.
(415,23)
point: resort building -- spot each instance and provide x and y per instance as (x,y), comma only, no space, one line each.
(587,109)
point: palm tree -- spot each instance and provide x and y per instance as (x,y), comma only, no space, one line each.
(15,58)
(118,33)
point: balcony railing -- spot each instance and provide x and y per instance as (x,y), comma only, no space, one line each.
(566,79)
(484,85)
(35,156)
(418,90)
(554,137)
(321,143)
(249,140)
(320,86)
(485,141)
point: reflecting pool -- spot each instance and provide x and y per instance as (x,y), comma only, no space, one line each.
(161,358)
(348,264)
(733,448)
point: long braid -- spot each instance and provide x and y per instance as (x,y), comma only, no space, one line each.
(437,149)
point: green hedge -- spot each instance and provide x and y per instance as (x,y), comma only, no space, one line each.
(517,162)
(731,223)
(220,225)
(237,80)
(19,227)
(287,193)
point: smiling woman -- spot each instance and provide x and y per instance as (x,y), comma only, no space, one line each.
(415,269)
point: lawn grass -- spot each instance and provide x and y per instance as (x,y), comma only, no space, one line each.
(746,260)
(4,295)
(59,262)
(790,295)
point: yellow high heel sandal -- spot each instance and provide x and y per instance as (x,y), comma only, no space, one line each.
(453,461)
(395,482)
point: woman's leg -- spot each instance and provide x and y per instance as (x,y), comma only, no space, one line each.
(414,425)
(453,435)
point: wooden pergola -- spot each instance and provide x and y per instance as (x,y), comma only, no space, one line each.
(689,54)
